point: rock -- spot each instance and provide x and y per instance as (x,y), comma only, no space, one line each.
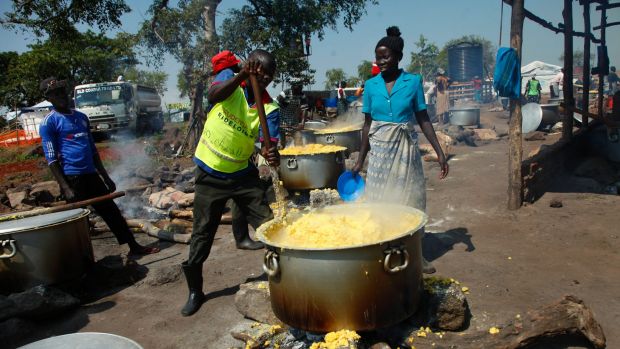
(186,200)
(485,134)
(252,301)
(15,329)
(168,176)
(535,136)
(555,203)
(146,173)
(163,275)
(135,182)
(444,303)
(41,302)
(176,167)
(167,198)
(185,187)
(444,138)
(257,335)
(557,127)
(188,173)
(147,192)
(598,169)
(17,196)
(50,187)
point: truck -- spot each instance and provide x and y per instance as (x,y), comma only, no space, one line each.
(113,106)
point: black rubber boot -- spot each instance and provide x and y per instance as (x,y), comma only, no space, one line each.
(242,236)
(193,275)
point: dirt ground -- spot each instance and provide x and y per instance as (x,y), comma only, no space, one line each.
(511,261)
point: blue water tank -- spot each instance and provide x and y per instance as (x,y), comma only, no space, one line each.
(465,61)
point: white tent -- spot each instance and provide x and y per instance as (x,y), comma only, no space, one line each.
(41,105)
(544,73)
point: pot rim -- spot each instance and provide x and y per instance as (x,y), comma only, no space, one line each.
(260,231)
(321,132)
(314,154)
(78,215)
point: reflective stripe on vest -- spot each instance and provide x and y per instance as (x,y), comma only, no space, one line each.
(533,91)
(228,136)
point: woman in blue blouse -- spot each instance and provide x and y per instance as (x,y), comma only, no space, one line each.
(391,99)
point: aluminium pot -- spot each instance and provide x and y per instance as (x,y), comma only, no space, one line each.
(354,287)
(352,140)
(311,171)
(550,114)
(465,116)
(314,125)
(44,249)
(303,137)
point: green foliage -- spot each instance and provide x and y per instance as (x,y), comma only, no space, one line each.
(57,18)
(333,77)
(281,26)
(364,70)
(426,60)
(87,57)
(156,79)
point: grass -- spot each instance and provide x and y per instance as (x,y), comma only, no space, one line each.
(13,155)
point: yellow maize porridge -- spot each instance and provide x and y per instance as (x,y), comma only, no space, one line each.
(336,340)
(310,149)
(339,228)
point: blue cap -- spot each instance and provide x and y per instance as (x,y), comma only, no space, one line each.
(350,186)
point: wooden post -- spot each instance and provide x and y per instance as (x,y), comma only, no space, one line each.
(585,105)
(515,152)
(601,75)
(569,99)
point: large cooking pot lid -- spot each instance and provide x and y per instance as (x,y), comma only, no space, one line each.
(17,225)
(532,117)
(91,340)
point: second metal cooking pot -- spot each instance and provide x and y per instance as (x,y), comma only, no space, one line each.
(303,137)
(550,114)
(465,116)
(354,287)
(311,171)
(352,140)
(44,249)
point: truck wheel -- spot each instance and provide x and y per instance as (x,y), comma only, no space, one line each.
(141,126)
(157,124)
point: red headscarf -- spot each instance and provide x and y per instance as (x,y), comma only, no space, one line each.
(223,60)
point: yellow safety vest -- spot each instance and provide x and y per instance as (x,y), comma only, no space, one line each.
(228,136)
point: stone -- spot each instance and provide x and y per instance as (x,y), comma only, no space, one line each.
(444,138)
(186,200)
(168,176)
(252,301)
(555,203)
(166,198)
(598,169)
(42,302)
(50,187)
(485,134)
(17,196)
(185,187)
(534,136)
(146,173)
(164,275)
(188,173)
(444,303)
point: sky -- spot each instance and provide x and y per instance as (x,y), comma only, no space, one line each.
(438,20)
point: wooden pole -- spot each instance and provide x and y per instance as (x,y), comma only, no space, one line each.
(601,74)
(515,180)
(585,105)
(569,99)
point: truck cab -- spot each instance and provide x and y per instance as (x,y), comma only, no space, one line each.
(113,106)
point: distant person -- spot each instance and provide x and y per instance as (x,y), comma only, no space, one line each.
(442,100)
(75,163)
(556,82)
(395,173)
(343,106)
(477,84)
(533,90)
(613,81)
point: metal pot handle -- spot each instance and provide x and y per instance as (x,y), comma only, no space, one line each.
(330,139)
(271,266)
(404,260)
(291,163)
(11,244)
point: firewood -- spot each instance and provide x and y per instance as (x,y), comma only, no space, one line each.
(152,230)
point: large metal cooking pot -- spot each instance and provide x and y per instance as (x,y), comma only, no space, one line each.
(465,116)
(353,287)
(550,114)
(44,249)
(314,125)
(311,171)
(304,137)
(352,140)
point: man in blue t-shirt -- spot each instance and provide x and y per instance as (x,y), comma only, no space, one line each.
(73,159)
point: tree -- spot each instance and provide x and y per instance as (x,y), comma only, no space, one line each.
(425,62)
(57,18)
(87,57)
(333,77)
(283,26)
(364,70)
(156,79)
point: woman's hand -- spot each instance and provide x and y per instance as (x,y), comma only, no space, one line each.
(445,168)
(271,155)
(357,167)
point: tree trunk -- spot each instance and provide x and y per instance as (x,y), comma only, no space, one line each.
(569,98)
(585,106)
(515,180)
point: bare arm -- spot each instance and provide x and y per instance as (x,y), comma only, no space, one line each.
(429,133)
(365,147)
(59,175)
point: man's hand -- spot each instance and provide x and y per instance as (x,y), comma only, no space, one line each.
(445,168)
(110,184)
(271,155)
(69,194)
